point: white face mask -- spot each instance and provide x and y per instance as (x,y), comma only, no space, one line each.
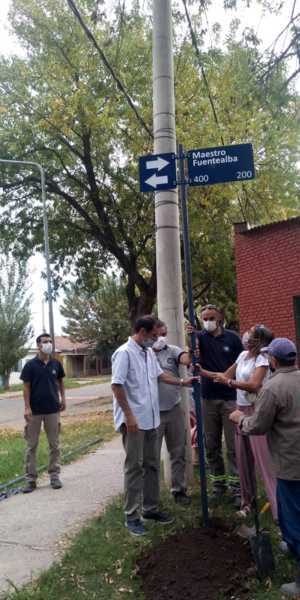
(47,347)
(210,326)
(160,343)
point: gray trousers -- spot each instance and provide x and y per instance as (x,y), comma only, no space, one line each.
(32,434)
(172,428)
(216,413)
(141,472)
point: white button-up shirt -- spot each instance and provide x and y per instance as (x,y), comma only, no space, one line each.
(137,371)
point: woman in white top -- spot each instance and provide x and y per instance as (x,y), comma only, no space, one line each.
(247,376)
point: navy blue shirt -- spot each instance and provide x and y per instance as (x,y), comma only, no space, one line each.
(217,353)
(43,379)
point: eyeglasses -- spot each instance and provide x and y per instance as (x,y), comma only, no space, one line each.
(208,318)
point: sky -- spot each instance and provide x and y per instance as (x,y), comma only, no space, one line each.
(266,27)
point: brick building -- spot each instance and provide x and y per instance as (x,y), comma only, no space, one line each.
(268,276)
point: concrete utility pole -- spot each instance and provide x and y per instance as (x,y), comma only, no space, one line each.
(169,275)
(46,236)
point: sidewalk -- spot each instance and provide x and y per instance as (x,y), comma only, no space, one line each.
(32,526)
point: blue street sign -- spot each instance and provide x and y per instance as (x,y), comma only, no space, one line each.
(157,172)
(208,166)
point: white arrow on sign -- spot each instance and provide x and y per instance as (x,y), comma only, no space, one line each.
(155,180)
(159,163)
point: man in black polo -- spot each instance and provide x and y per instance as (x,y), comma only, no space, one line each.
(43,384)
(218,350)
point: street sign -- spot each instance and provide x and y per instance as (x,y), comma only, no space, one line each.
(157,172)
(207,166)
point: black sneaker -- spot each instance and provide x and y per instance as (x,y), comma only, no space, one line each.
(56,484)
(159,517)
(136,527)
(182,498)
(30,487)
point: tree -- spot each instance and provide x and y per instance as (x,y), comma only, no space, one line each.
(15,328)
(62,107)
(99,318)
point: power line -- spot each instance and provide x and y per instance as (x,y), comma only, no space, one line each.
(104,59)
(195,44)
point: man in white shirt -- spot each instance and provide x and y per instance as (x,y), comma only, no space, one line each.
(135,375)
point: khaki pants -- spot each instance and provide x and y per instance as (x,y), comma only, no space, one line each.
(172,428)
(32,433)
(141,472)
(216,413)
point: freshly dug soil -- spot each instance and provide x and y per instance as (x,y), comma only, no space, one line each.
(202,564)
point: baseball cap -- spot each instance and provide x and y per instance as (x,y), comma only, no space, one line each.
(281,348)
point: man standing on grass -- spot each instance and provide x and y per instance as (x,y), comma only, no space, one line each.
(172,421)
(277,413)
(135,376)
(218,350)
(43,383)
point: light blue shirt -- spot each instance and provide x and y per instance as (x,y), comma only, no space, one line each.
(137,371)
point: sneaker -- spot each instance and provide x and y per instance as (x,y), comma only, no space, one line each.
(182,498)
(136,527)
(159,517)
(56,484)
(30,487)
(244,512)
(291,589)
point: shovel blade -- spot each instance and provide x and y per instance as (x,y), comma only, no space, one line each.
(262,552)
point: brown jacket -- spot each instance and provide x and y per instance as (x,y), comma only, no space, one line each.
(277,413)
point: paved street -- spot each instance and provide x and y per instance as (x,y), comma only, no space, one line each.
(33,527)
(89,398)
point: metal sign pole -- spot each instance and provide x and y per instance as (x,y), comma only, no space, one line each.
(196,385)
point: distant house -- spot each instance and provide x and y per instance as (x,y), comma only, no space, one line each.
(268,276)
(77,359)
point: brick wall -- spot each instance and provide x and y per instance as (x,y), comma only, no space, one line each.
(268,275)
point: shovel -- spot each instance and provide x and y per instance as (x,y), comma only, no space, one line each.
(260,542)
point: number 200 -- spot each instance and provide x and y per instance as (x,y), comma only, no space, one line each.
(244,174)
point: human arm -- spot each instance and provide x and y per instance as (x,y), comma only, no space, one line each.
(119,394)
(61,387)
(219,377)
(262,419)
(185,359)
(171,380)
(253,384)
(26,396)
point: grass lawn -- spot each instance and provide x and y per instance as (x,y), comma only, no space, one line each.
(100,562)
(69,383)
(76,431)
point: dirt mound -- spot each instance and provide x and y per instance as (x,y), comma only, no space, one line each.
(201,564)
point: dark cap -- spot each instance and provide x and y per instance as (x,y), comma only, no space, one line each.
(281,348)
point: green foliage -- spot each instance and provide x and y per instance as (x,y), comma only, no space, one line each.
(100,317)
(15,328)
(61,107)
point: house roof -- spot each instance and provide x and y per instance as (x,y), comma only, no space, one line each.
(65,344)
(242,228)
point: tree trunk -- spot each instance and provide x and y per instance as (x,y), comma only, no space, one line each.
(142,303)
(5,381)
